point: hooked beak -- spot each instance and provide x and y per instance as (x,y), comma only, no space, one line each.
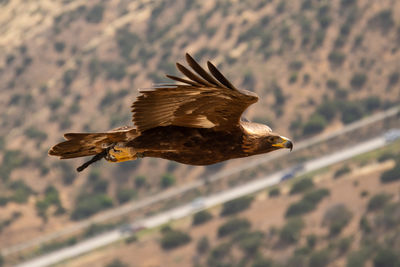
(286,143)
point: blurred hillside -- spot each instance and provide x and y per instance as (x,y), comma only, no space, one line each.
(72,66)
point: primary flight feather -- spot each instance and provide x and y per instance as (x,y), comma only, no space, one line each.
(196,122)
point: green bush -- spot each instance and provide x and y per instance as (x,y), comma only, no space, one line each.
(140,181)
(352,111)
(332,84)
(391,175)
(114,70)
(393,78)
(279,97)
(357,258)
(274,192)
(299,208)
(125,194)
(94,68)
(126,41)
(249,242)
(386,257)
(21,191)
(290,233)
(296,65)
(316,195)
(311,241)
(327,110)
(116,263)
(301,186)
(383,20)
(336,58)
(314,125)
(372,103)
(342,171)
(69,76)
(100,186)
(95,229)
(218,254)
(386,156)
(174,238)
(323,16)
(390,217)
(68,173)
(319,258)
(233,225)
(236,205)
(365,225)
(201,217)
(59,46)
(89,204)
(203,245)
(337,217)
(358,80)
(167,180)
(262,262)
(95,14)
(12,159)
(378,201)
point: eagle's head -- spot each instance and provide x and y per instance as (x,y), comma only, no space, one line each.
(280,141)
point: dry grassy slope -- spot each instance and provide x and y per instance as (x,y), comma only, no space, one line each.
(264,214)
(59,62)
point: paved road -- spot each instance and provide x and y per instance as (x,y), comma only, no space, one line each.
(128,208)
(206,202)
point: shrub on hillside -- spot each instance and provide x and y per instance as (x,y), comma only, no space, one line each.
(126,41)
(233,225)
(357,258)
(95,14)
(352,111)
(125,194)
(386,257)
(337,217)
(167,180)
(336,58)
(274,192)
(203,245)
(236,205)
(319,258)
(372,103)
(302,185)
(59,46)
(378,201)
(383,20)
(218,255)
(393,78)
(342,171)
(116,263)
(391,175)
(299,208)
(201,217)
(314,125)
(89,204)
(140,181)
(249,242)
(174,238)
(358,80)
(290,233)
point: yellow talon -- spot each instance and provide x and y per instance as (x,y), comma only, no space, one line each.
(120,154)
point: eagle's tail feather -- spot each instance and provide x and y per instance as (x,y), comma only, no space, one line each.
(89,144)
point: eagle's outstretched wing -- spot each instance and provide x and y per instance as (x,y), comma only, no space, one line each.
(204,100)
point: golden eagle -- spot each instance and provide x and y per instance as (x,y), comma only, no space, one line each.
(196,122)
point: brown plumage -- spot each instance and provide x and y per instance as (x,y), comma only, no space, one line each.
(195,122)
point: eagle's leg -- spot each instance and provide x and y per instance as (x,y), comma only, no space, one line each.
(120,154)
